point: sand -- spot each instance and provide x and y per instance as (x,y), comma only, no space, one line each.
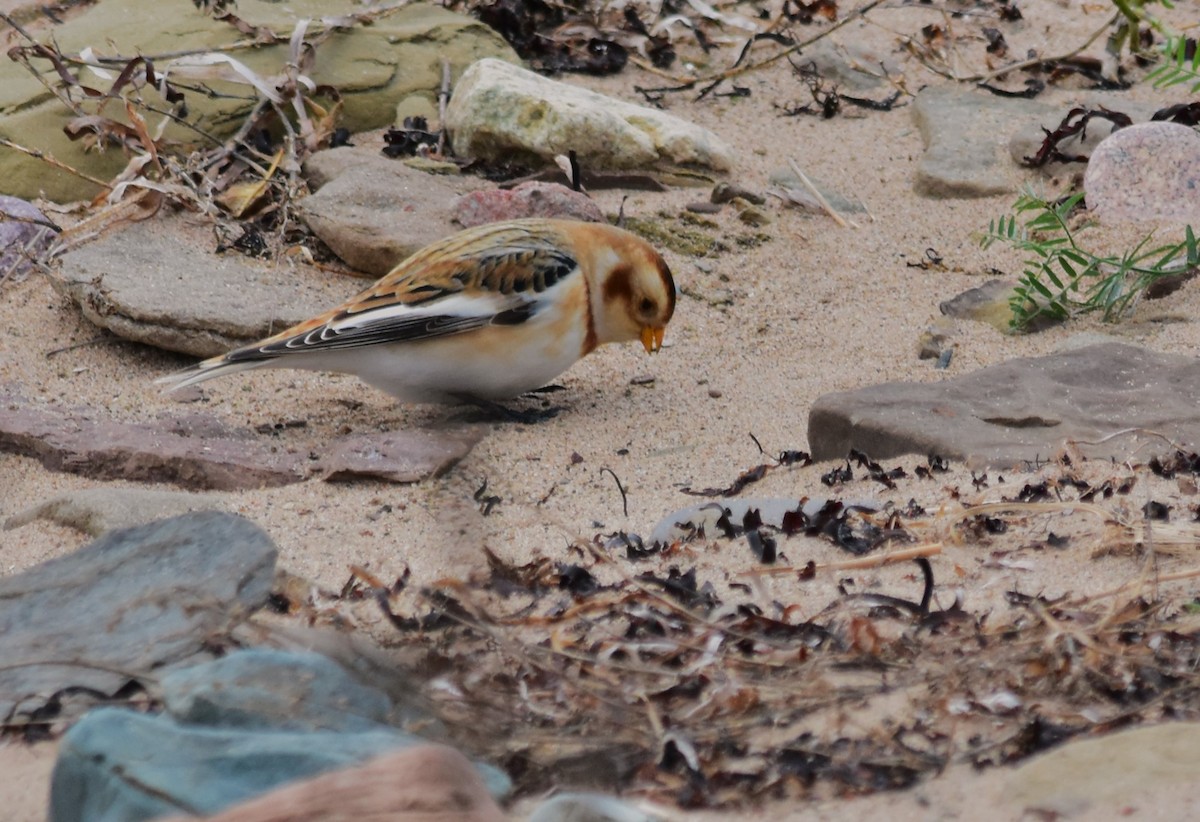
(759,334)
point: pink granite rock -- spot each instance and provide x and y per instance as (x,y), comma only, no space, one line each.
(1146,172)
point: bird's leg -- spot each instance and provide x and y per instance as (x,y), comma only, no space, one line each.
(496,411)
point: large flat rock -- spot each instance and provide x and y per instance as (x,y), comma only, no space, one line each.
(1023,410)
(199,452)
(154,284)
(374,211)
(127,605)
(395,59)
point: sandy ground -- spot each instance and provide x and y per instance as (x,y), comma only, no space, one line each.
(816,309)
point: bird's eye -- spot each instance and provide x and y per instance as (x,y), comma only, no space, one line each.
(646,306)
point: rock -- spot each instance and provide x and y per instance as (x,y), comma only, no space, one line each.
(98,510)
(75,441)
(851,67)
(121,765)
(199,303)
(279,690)
(411,455)
(1108,777)
(503,112)
(429,783)
(1146,172)
(24,232)
(988,303)
(934,341)
(374,68)
(728,192)
(751,214)
(374,212)
(589,807)
(1027,140)
(786,185)
(532,199)
(966,140)
(1020,411)
(126,605)
(183,452)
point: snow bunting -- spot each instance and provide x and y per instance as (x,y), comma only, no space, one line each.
(484,315)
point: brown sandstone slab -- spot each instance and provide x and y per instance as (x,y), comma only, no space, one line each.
(1110,400)
(197,452)
(429,783)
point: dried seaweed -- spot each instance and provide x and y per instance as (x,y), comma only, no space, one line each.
(1074,123)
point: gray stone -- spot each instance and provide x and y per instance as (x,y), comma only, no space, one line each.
(1023,410)
(1148,172)
(788,187)
(121,765)
(126,605)
(501,111)
(1111,776)
(269,689)
(153,284)
(372,211)
(98,510)
(25,232)
(374,68)
(966,136)
(852,67)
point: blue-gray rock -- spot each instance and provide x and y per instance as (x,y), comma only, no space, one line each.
(121,766)
(128,604)
(279,690)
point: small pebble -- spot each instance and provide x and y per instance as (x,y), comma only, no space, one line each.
(715,394)
(727,193)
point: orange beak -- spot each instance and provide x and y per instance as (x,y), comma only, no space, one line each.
(652,338)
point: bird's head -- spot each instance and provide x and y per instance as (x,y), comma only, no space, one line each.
(636,293)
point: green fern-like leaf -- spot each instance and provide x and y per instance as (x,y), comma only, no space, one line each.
(1177,67)
(1061,278)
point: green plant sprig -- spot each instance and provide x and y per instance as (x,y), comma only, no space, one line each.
(1177,66)
(1063,279)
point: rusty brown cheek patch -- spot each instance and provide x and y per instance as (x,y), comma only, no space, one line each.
(619,285)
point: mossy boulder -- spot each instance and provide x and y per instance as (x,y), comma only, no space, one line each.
(374,67)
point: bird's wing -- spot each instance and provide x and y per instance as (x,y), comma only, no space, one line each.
(493,275)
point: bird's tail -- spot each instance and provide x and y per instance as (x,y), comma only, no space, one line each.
(206,370)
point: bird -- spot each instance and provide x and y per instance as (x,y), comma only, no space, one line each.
(480,316)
